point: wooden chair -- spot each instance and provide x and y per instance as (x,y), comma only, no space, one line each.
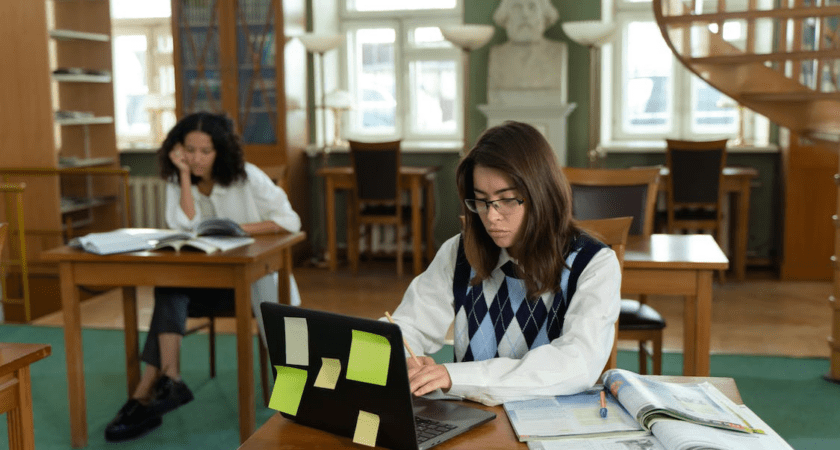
(377,195)
(694,194)
(602,193)
(612,232)
(17,256)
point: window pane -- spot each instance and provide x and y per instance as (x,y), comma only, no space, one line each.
(711,111)
(392,5)
(647,80)
(433,95)
(375,81)
(428,37)
(131,85)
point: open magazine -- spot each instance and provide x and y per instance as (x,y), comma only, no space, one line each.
(210,236)
(679,435)
(634,404)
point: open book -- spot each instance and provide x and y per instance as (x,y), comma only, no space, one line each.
(210,236)
(634,404)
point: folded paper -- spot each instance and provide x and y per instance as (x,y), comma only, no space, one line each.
(370,355)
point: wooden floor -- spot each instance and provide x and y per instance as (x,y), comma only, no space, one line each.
(759,316)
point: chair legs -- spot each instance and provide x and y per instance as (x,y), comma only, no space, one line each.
(263,356)
(655,352)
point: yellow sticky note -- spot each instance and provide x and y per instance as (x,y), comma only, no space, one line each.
(297,341)
(367,427)
(288,389)
(328,375)
(370,355)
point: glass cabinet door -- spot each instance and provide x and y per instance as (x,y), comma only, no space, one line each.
(257,76)
(201,74)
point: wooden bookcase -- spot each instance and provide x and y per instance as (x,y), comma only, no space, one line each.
(233,56)
(57,113)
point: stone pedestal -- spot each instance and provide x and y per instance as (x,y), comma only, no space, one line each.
(549,119)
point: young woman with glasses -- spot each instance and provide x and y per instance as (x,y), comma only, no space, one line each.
(531,299)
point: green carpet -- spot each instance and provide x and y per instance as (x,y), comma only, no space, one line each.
(788,393)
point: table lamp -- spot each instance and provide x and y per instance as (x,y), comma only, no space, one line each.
(592,34)
(467,37)
(338,101)
(319,44)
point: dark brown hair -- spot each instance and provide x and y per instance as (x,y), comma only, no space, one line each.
(521,152)
(229,165)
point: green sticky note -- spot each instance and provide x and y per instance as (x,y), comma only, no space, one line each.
(288,389)
(370,355)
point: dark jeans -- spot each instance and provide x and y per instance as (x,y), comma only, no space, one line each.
(174,305)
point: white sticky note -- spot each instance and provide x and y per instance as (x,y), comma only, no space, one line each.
(367,427)
(297,341)
(328,375)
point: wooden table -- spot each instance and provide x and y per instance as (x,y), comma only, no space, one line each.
(736,182)
(279,432)
(417,179)
(16,390)
(235,269)
(678,264)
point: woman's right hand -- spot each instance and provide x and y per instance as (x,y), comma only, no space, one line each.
(179,159)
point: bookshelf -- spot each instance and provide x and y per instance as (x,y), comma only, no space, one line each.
(234,57)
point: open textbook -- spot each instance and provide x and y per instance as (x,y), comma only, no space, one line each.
(671,434)
(210,236)
(634,404)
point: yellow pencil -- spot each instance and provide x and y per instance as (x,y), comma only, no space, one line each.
(407,347)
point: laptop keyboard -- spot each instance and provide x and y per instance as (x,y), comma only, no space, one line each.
(427,429)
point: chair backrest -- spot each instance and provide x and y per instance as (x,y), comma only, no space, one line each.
(12,194)
(605,193)
(279,175)
(612,232)
(376,166)
(696,173)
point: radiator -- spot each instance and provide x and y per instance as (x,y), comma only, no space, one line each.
(148,202)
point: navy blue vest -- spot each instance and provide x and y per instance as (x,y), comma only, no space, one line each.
(507,325)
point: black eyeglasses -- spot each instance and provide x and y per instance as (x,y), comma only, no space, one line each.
(504,206)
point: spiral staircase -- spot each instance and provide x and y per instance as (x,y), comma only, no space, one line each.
(784,65)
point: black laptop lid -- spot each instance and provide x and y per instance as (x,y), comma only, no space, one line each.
(366,386)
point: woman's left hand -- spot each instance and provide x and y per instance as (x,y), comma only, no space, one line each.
(427,376)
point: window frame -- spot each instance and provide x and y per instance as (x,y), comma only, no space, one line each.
(403,22)
(153,28)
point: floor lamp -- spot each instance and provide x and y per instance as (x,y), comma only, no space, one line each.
(318,44)
(592,34)
(467,38)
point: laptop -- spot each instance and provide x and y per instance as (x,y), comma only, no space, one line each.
(348,375)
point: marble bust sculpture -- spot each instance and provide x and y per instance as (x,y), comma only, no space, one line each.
(528,68)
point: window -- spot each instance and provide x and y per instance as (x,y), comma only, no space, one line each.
(144,75)
(400,71)
(656,97)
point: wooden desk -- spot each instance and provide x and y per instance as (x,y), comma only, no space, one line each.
(235,269)
(736,182)
(16,391)
(279,432)
(416,178)
(678,264)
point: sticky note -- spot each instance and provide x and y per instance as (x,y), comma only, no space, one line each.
(370,355)
(288,389)
(297,341)
(328,375)
(367,427)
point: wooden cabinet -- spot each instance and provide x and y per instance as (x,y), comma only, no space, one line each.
(57,109)
(233,56)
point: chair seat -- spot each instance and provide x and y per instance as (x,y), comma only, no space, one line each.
(637,316)
(385,210)
(695,214)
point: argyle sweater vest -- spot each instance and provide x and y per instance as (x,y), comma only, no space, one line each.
(493,318)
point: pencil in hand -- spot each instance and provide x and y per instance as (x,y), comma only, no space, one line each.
(603,404)
(407,347)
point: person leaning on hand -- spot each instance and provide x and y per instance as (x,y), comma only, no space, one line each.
(533,299)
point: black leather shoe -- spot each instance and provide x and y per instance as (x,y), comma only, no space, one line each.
(169,394)
(134,419)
